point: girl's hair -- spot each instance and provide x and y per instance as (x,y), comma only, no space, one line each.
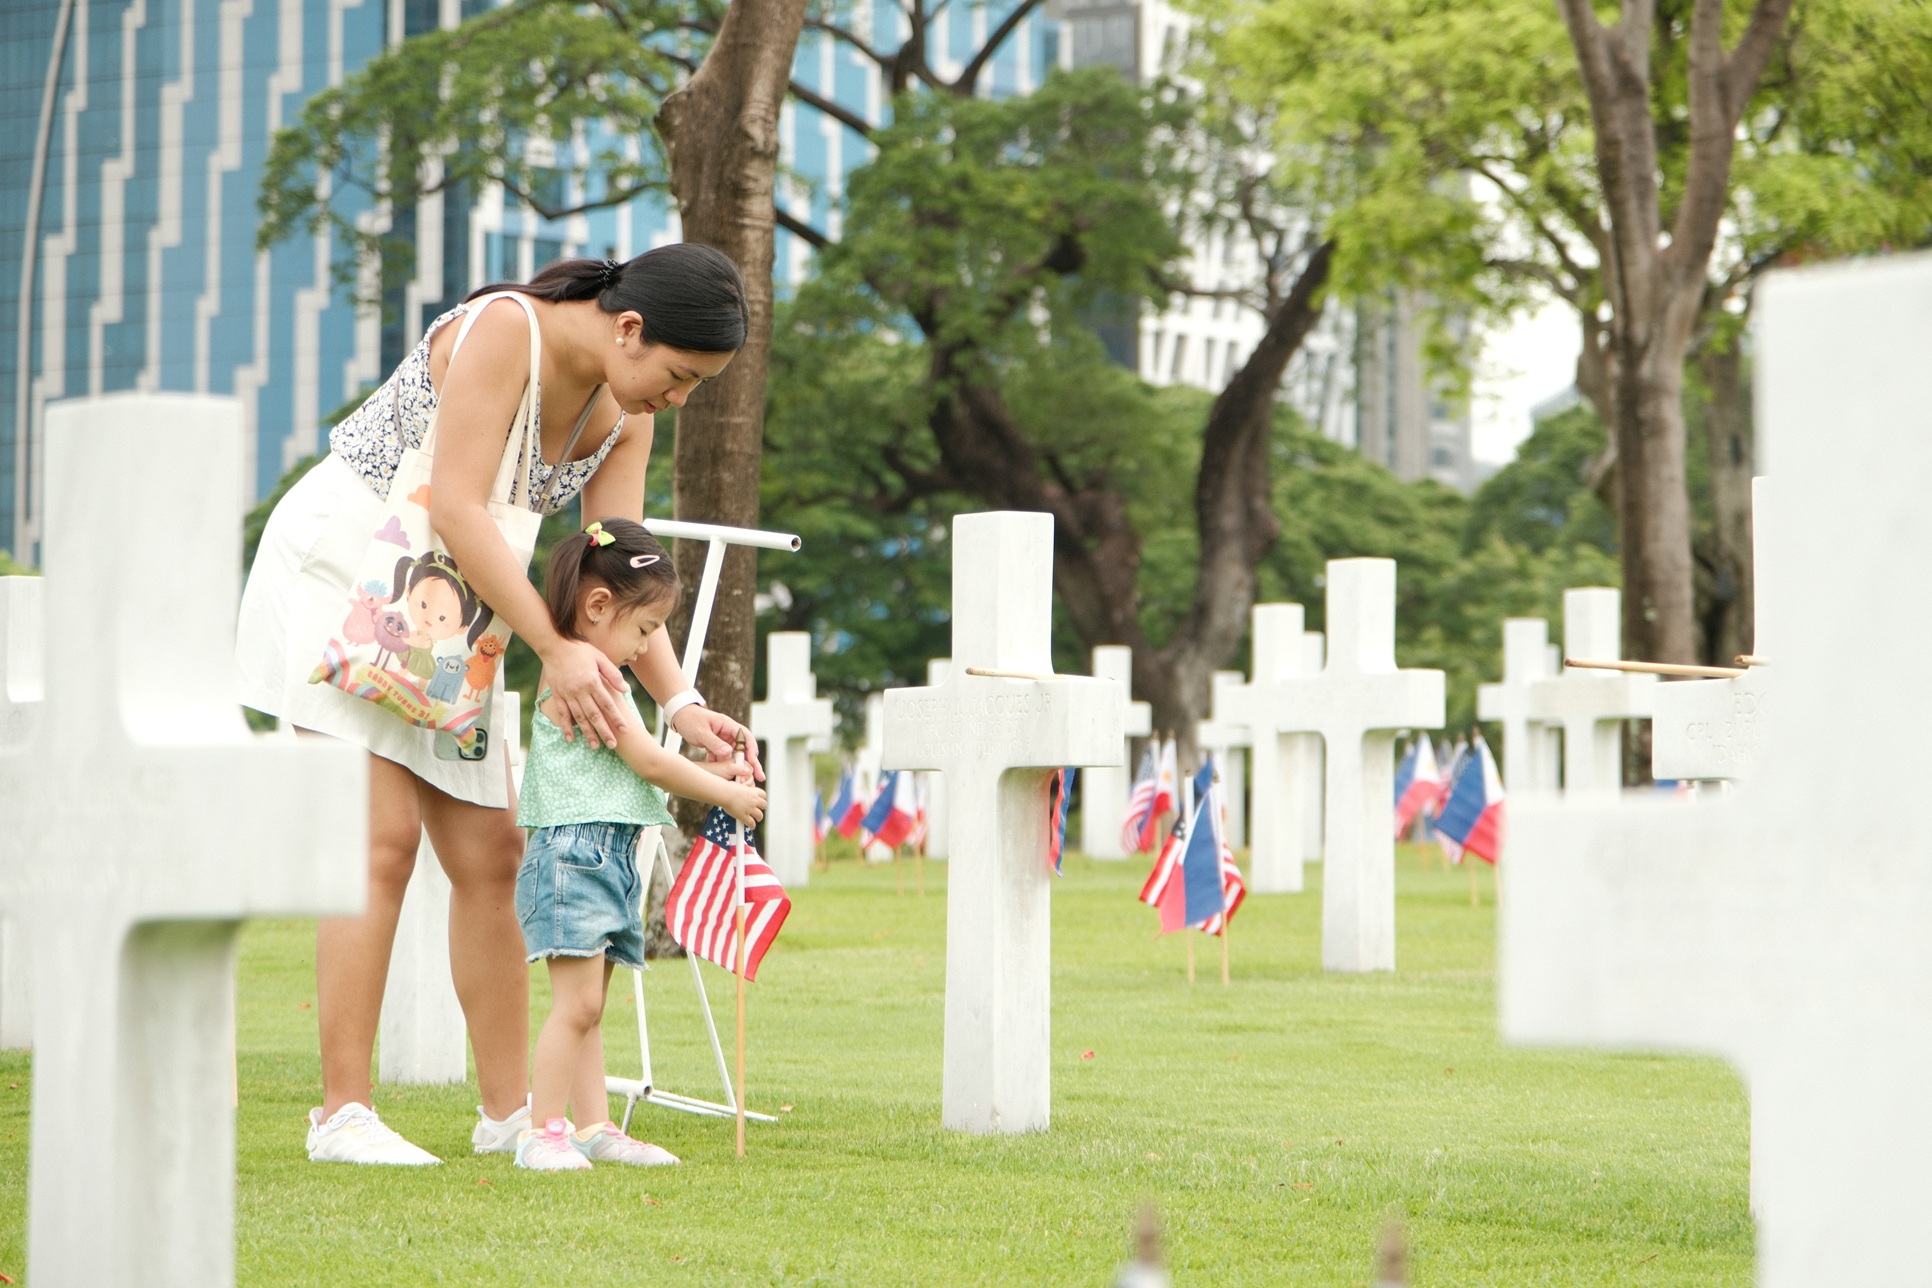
(632,566)
(690,296)
(411,572)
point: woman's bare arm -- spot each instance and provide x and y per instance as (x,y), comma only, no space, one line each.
(480,393)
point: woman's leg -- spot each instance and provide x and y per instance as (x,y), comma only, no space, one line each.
(576,1005)
(352,953)
(589,1096)
(481,849)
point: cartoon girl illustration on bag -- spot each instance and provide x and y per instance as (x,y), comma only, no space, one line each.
(440,605)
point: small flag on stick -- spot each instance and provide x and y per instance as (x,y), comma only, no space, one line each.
(699,909)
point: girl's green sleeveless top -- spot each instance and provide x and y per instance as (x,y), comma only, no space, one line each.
(572,782)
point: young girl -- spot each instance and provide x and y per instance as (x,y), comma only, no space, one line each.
(579,891)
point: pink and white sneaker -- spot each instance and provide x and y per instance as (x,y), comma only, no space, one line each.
(550,1150)
(606,1143)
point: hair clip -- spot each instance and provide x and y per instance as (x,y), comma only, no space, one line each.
(644,561)
(611,273)
(597,535)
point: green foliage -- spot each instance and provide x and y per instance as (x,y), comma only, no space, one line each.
(11,567)
(1538,500)
(461,109)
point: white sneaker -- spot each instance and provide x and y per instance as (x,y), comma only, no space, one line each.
(493,1137)
(353,1134)
(550,1150)
(607,1143)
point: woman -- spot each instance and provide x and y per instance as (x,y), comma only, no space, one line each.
(619,343)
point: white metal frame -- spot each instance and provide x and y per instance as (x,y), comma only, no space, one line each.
(643,1089)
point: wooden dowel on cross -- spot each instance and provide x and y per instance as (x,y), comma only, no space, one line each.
(1750,659)
(992,674)
(1660,668)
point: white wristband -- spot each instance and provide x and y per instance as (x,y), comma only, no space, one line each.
(678,702)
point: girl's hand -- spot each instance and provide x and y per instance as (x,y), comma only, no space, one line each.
(745,803)
(588,684)
(718,734)
(735,770)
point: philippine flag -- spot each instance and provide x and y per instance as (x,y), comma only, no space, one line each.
(1418,782)
(1472,816)
(895,811)
(821,818)
(847,810)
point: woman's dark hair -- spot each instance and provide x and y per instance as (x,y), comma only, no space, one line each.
(690,296)
(632,566)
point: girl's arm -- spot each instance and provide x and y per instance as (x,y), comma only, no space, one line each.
(674,773)
(616,491)
(479,396)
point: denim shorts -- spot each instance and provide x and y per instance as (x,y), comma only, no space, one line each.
(578,893)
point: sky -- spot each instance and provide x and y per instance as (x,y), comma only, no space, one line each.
(1520,366)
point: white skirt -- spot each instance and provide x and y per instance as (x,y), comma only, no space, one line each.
(296,598)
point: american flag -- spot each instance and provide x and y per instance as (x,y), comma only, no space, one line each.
(1135,834)
(1059,798)
(700,908)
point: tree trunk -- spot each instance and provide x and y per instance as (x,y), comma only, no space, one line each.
(1727,425)
(1655,279)
(721,133)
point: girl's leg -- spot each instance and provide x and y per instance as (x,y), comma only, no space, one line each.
(352,953)
(576,1006)
(481,849)
(589,1097)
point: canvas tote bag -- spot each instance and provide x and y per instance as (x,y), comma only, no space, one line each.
(417,641)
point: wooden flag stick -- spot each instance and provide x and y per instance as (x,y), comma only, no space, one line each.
(1475,900)
(899,869)
(1224,949)
(992,674)
(1660,668)
(1190,955)
(919,865)
(738,916)
(1750,659)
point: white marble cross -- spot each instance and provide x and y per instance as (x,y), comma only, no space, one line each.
(1591,706)
(998,741)
(791,715)
(1784,925)
(143,823)
(21,690)
(1277,750)
(932,782)
(1711,728)
(1357,703)
(1314,656)
(1103,789)
(1532,750)
(1226,735)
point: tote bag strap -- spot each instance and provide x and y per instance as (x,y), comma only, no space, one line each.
(513,470)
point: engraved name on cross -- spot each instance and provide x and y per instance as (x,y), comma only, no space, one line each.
(1783,925)
(144,822)
(997,741)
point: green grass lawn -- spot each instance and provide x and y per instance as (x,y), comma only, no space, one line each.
(1277,1123)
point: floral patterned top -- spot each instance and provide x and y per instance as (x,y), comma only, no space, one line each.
(371,439)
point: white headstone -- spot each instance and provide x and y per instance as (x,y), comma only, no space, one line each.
(1783,925)
(1591,706)
(791,715)
(1103,789)
(143,823)
(1277,750)
(1314,656)
(997,741)
(1225,734)
(1711,728)
(1357,703)
(1532,751)
(425,1039)
(20,696)
(932,782)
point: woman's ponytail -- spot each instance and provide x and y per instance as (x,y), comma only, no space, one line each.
(690,296)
